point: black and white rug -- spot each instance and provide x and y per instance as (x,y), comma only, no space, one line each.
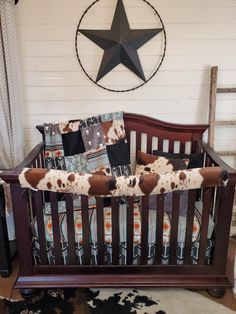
(115,301)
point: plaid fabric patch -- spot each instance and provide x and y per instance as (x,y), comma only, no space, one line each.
(96,144)
(54,152)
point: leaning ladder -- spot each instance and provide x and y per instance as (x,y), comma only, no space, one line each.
(214,90)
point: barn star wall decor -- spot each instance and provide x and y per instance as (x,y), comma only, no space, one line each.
(117,57)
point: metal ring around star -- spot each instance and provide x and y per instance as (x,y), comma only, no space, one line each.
(133,88)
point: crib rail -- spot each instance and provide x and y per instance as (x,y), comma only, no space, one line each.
(85,274)
(34,159)
(58,247)
(213,159)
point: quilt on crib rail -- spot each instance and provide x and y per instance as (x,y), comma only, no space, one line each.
(94,145)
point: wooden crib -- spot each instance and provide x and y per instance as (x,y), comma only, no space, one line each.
(142,132)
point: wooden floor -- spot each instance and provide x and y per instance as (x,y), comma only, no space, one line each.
(7,291)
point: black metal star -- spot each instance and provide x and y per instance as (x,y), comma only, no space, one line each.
(120,43)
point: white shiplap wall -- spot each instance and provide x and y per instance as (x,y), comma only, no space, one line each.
(200,33)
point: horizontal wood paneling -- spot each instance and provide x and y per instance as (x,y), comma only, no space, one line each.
(146,92)
(66,32)
(200,34)
(174,63)
(86,107)
(67,15)
(90,50)
(76,78)
(161,3)
(167,78)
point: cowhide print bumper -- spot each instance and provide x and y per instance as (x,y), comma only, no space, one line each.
(101,185)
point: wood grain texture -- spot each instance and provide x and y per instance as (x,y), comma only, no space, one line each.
(70,231)
(56,229)
(115,230)
(86,230)
(38,208)
(159,228)
(130,230)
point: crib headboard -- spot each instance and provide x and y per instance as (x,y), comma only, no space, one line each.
(150,133)
(146,133)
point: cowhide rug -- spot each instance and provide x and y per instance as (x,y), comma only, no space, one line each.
(115,301)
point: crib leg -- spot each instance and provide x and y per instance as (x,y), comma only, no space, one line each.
(216,292)
(28,293)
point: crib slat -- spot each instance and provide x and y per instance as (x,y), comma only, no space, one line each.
(115,230)
(128,135)
(38,162)
(189,227)
(70,229)
(138,140)
(160,143)
(130,230)
(208,161)
(38,206)
(174,228)
(182,147)
(100,230)
(194,147)
(171,146)
(42,159)
(204,227)
(159,228)
(56,229)
(85,227)
(149,144)
(144,229)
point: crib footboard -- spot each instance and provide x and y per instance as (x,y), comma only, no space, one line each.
(132,257)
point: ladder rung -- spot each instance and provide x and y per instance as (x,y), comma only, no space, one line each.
(227,153)
(226,122)
(226,90)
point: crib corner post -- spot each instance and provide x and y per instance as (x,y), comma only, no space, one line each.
(223,222)
(22,228)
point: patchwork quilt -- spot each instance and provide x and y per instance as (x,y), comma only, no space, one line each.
(94,145)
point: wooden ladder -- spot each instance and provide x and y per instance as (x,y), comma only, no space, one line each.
(214,90)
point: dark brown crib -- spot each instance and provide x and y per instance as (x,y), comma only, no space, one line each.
(142,132)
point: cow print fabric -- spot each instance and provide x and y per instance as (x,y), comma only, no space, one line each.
(147,163)
(138,185)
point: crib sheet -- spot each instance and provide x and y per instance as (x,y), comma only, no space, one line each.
(122,225)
